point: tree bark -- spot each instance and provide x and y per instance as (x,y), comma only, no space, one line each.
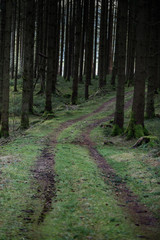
(66,42)
(17,46)
(62,39)
(121,38)
(102,53)
(13,38)
(136,124)
(28,62)
(89,47)
(95,41)
(83,38)
(77,50)
(6,68)
(52,55)
(131,44)
(110,35)
(152,61)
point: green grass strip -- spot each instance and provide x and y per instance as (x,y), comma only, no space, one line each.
(85,207)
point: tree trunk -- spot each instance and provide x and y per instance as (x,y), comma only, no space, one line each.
(89,47)
(17,46)
(121,38)
(44,57)
(95,42)
(62,40)
(115,65)
(13,38)
(110,35)
(77,50)
(71,40)
(66,42)
(136,125)
(6,68)
(58,36)
(83,35)
(131,44)
(28,62)
(102,44)
(2,29)
(152,61)
(52,55)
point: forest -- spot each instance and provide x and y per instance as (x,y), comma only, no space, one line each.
(79,119)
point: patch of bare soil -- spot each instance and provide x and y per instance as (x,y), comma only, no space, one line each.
(138,212)
(44,174)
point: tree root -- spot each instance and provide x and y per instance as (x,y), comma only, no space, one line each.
(144,139)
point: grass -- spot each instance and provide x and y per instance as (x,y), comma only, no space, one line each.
(139,168)
(18,157)
(85,207)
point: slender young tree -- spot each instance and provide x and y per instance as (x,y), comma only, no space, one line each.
(6,42)
(58,37)
(17,45)
(71,39)
(39,37)
(52,55)
(66,41)
(110,36)
(83,38)
(131,43)
(43,55)
(28,62)
(77,50)
(95,40)
(62,38)
(13,37)
(121,38)
(89,46)
(102,44)
(115,65)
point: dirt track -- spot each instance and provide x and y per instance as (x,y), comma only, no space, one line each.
(45,176)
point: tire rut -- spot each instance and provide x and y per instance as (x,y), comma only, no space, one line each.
(44,169)
(138,212)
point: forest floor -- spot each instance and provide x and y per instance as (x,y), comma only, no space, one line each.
(67,178)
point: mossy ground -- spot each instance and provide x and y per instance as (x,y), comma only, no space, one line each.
(140,168)
(85,206)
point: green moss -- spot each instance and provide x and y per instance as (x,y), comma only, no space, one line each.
(138,131)
(117,130)
(135,130)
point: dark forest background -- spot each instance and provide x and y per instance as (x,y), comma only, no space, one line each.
(116,42)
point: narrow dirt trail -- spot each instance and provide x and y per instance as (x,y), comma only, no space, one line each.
(45,175)
(44,169)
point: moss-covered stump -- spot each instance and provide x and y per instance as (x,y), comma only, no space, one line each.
(117,130)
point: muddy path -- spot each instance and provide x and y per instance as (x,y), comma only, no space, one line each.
(138,212)
(44,173)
